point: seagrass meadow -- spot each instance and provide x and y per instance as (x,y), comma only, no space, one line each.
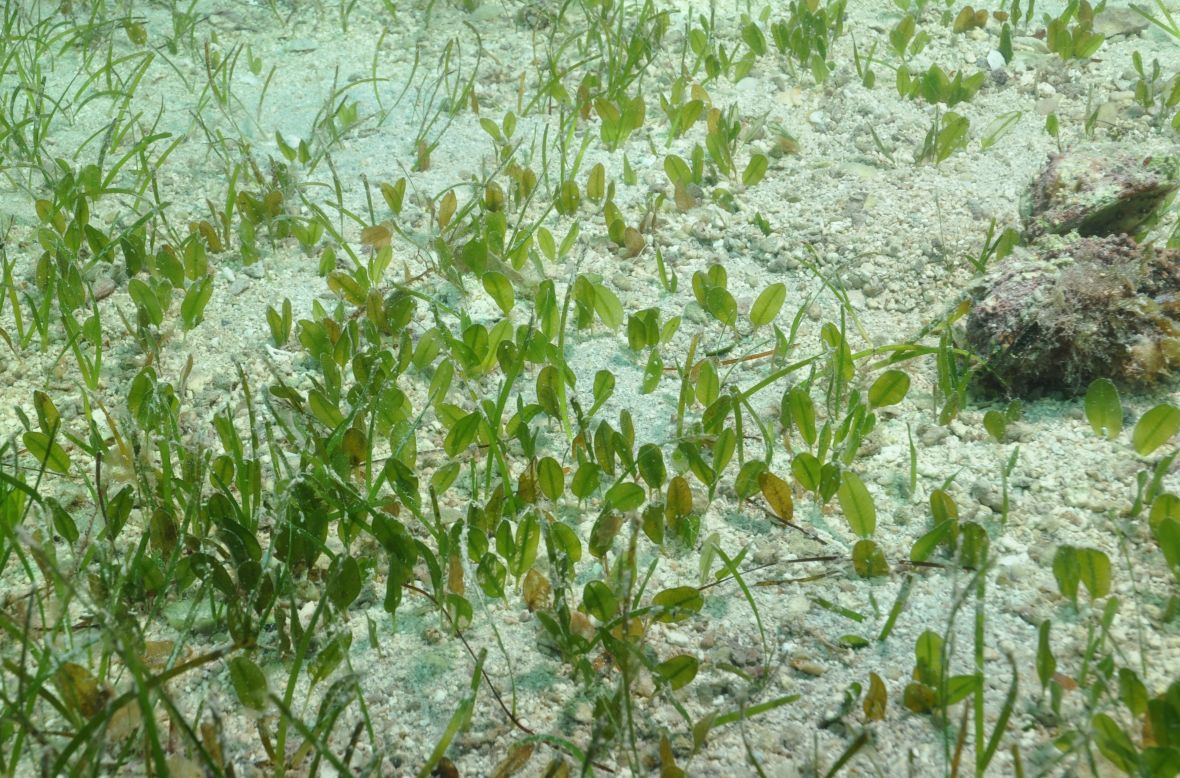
(589,387)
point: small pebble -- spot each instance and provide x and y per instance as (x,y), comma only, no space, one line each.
(808,666)
(103,288)
(240,284)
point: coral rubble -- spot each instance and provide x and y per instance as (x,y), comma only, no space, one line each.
(1083,299)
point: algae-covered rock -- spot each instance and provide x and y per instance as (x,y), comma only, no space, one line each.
(1101,189)
(1069,310)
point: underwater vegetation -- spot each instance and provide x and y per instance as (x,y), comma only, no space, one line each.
(465,388)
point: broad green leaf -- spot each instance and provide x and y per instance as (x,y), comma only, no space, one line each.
(324,663)
(696,462)
(1132,692)
(491,575)
(842,353)
(625,496)
(604,387)
(713,419)
(63,522)
(567,242)
(807,470)
(899,36)
(669,328)
(586,479)
(42,449)
(746,484)
(958,687)
(653,371)
(48,417)
(568,198)
(566,541)
(721,305)
(547,244)
(643,329)
(1167,534)
(459,607)
(677,604)
(1065,570)
(857,504)
(497,285)
(876,699)
(164,531)
(708,383)
(442,478)
(344,584)
(608,306)
(653,522)
(1164,506)
(928,657)
(974,545)
(1086,566)
(715,142)
(192,309)
(324,409)
(925,545)
(996,424)
(489,126)
(799,411)
(393,194)
(868,560)
(550,477)
(596,182)
(679,671)
(755,169)
(249,682)
(1104,411)
(145,297)
(1155,427)
(1088,44)
(1094,571)
(943,507)
(679,498)
(768,304)
(1114,743)
(829,480)
(548,388)
(889,389)
(599,601)
(603,533)
(651,465)
(677,170)
(461,434)
(524,550)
